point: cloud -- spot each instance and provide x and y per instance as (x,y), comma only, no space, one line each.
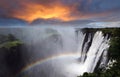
(31,10)
(12,22)
(104,24)
(65,10)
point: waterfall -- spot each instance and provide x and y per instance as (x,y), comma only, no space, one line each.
(58,51)
(99,45)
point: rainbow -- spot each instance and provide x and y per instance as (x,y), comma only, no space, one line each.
(38,62)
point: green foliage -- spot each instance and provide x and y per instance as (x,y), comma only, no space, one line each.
(11,44)
(114,32)
(9,41)
(114,50)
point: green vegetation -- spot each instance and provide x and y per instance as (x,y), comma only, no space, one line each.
(9,45)
(113,55)
(8,41)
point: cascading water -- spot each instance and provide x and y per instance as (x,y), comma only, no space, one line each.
(59,52)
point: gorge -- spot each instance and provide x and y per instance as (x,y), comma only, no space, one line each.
(60,52)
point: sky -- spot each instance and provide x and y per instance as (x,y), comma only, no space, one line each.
(59,11)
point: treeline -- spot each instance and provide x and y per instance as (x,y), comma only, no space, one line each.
(113,69)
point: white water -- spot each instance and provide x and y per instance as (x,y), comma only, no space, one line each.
(99,44)
(61,50)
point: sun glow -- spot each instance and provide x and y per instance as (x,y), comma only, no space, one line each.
(35,11)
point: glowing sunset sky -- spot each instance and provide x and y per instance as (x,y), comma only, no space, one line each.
(62,10)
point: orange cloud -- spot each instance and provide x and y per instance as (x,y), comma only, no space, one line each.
(34,11)
(30,10)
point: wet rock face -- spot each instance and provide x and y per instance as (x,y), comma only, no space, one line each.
(11,62)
